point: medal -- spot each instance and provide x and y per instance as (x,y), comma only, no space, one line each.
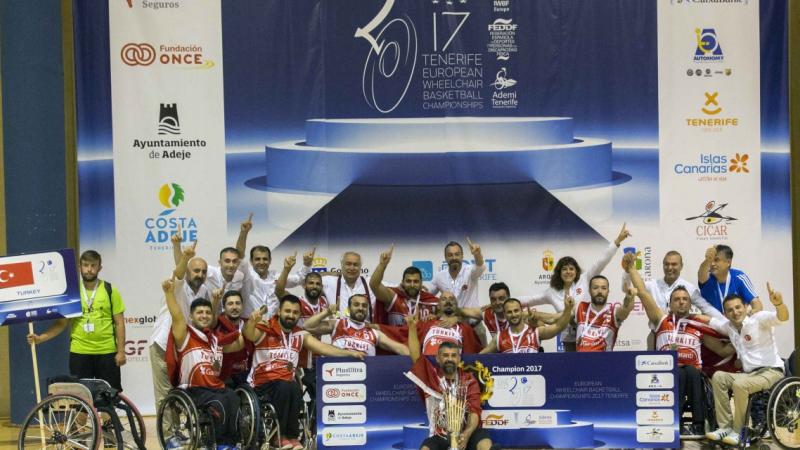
(673,346)
(216,365)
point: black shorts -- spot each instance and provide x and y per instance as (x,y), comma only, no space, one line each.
(103,367)
(441,443)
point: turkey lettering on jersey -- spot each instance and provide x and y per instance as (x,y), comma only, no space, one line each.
(276,354)
(436,335)
(401,306)
(526,341)
(597,330)
(200,360)
(354,336)
(686,338)
(307,309)
(492,322)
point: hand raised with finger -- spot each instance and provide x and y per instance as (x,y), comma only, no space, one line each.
(290,261)
(247,225)
(387,255)
(308,257)
(474,248)
(623,234)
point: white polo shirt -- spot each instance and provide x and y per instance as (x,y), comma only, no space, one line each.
(330,283)
(214,280)
(464,286)
(257,291)
(755,343)
(184,296)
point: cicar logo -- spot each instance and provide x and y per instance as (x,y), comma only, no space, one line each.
(714,222)
(160,228)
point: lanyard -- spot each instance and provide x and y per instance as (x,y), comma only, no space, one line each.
(89,300)
(586,324)
(339,289)
(515,345)
(727,286)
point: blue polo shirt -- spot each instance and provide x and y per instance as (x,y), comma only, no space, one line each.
(714,291)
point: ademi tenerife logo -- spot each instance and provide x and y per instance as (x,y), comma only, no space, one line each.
(354,371)
(711,115)
(159,228)
(169,147)
(143,54)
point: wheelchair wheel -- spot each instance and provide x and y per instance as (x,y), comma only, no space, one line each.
(178,420)
(271,430)
(783,412)
(61,421)
(249,412)
(308,437)
(125,427)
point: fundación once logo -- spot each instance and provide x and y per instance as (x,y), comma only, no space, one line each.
(708,48)
(183,55)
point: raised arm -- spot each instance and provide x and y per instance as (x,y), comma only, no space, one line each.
(627,305)
(776,298)
(654,313)
(216,296)
(319,323)
(297,278)
(244,229)
(175,311)
(187,254)
(413,339)
(321,348)
(608,254)
(705,266)
(382,293)
(549,331)
(477,255)
(250,332)
(280,283)
(176,240)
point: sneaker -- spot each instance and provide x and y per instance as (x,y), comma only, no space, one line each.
(174,443)
(286,444)
(296,445)
(731,439)
(718,434)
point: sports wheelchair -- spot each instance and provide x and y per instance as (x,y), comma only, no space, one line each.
(83,413)
(269,432)
(179,421)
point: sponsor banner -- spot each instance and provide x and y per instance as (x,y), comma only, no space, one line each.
(655,362)
(39,286)
(656,380)
(567,400)
(343,436)
(356,371)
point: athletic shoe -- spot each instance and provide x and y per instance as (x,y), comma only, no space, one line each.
(174,443)
(296,445)
(718,434)
(731,439)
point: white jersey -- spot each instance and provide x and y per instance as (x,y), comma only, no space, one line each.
(464,286)
(257,291)
(184,296)
(755,343)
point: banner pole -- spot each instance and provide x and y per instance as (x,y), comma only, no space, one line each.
(36,385)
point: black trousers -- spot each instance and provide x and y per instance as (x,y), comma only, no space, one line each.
(103,367)
(287,399)
(223,405)
(310,382)
(442,443)
(690,389)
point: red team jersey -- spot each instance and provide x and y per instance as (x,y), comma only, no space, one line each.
(234,362)
(200,360)
(401,306)
(276,354)
(492,322)
(527,341)
(432,335)
(597,330)
(686,338)
(354,336)
(307,357)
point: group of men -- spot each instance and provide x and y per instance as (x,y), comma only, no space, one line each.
(236,323)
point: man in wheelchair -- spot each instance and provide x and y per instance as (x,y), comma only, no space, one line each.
(194,358)
(278,344)
(752,337)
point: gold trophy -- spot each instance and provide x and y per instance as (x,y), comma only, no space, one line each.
(454,401)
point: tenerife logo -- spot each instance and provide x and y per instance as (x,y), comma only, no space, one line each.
(710,121)
(170,195)
(715,223)
(158,229)
(144,54)
(708,48)
(168,122)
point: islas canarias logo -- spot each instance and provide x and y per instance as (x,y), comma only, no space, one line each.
(170,195)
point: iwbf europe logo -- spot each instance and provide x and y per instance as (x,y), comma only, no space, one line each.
(158,229)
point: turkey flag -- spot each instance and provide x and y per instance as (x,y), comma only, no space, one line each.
(16,274)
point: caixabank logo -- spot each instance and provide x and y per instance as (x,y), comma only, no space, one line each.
(144,54)
(160,228)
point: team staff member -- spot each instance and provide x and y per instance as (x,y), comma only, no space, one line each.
(338,288)
(718,280)
(458,278)
(524,337)
(597,321)
(399,302)
(277,351)
(568,279)
(353,333)
(754,340)
(97,337)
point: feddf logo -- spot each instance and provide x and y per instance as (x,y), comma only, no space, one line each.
(656,380)
(161,227)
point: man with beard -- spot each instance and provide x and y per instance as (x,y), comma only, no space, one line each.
(458,278)
(97,337)
(599,322)
(338,288)
(753,338)
(193,271)
(277,351)
(259,282)
(718,280)
(399,302)
(684,333)
(225,276)
(447,329)
(353,333)
(312,302)
(522,334)
(194,358)
(432,380)
(235,365)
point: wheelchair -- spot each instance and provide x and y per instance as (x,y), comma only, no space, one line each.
(269,431)
(708,406)
(179,419)
(83,413)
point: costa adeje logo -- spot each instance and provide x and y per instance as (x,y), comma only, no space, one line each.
(158,229)
(708,48)
(145,54)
